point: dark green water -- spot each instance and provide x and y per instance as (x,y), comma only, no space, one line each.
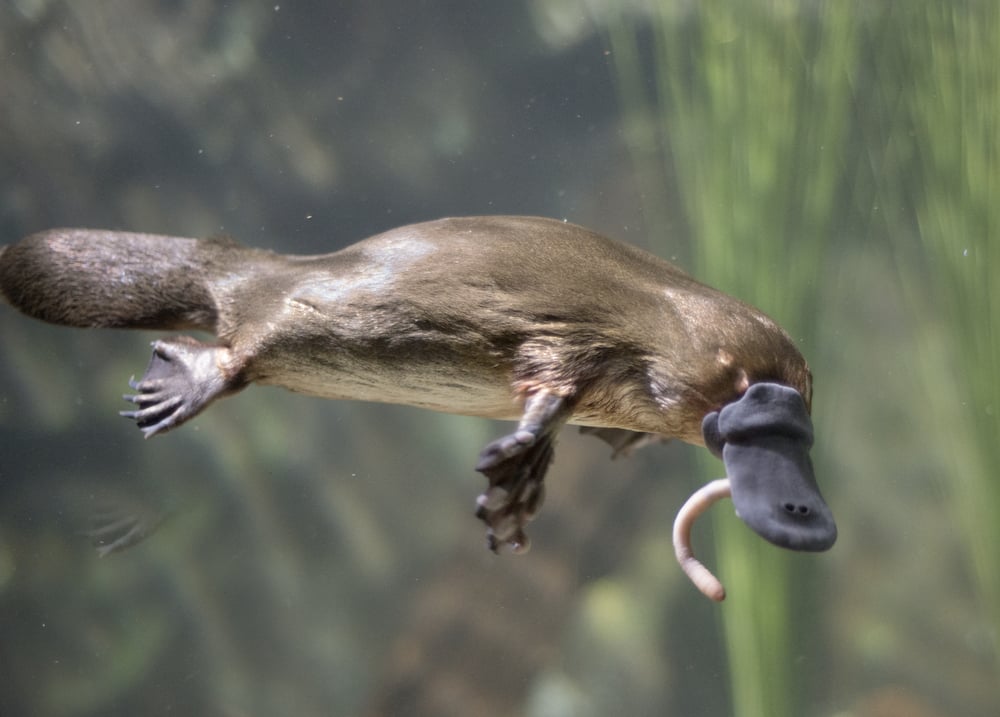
(837,164)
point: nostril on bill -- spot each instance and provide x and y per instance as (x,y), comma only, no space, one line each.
(801,511)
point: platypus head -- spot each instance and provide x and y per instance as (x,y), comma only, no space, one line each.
(764,439)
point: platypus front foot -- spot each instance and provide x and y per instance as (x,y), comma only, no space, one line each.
(515,466)
(182,378)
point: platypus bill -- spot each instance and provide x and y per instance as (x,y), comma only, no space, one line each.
(519,318)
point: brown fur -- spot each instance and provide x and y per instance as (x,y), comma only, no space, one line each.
(466,315)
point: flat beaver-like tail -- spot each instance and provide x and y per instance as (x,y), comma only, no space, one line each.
(96,278)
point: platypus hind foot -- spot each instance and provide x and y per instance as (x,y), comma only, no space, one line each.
(183,377)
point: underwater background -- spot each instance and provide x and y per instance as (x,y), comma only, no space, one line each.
(835,163)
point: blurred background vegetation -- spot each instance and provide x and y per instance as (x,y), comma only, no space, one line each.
(835,163)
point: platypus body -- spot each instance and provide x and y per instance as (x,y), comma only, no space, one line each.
(519,318)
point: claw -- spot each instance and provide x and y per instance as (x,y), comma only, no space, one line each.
(515,466)
(504,448)
(182,378)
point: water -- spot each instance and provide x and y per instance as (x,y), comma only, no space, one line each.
(836,164)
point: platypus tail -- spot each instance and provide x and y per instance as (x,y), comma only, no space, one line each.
(95,278)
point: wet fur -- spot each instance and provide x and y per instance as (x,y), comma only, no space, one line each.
(466,315)
(503,317)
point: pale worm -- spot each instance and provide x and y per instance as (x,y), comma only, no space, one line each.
(700,501)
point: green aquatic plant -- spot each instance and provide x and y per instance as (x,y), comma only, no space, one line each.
(937,154)
(747,116)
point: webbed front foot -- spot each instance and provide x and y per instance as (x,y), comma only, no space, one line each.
(515,466)
(182,378)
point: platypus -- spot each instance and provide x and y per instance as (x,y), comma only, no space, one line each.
(529,319)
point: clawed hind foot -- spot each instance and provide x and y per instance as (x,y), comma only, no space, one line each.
(182,378)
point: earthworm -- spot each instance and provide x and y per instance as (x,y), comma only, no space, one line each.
(698,503)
